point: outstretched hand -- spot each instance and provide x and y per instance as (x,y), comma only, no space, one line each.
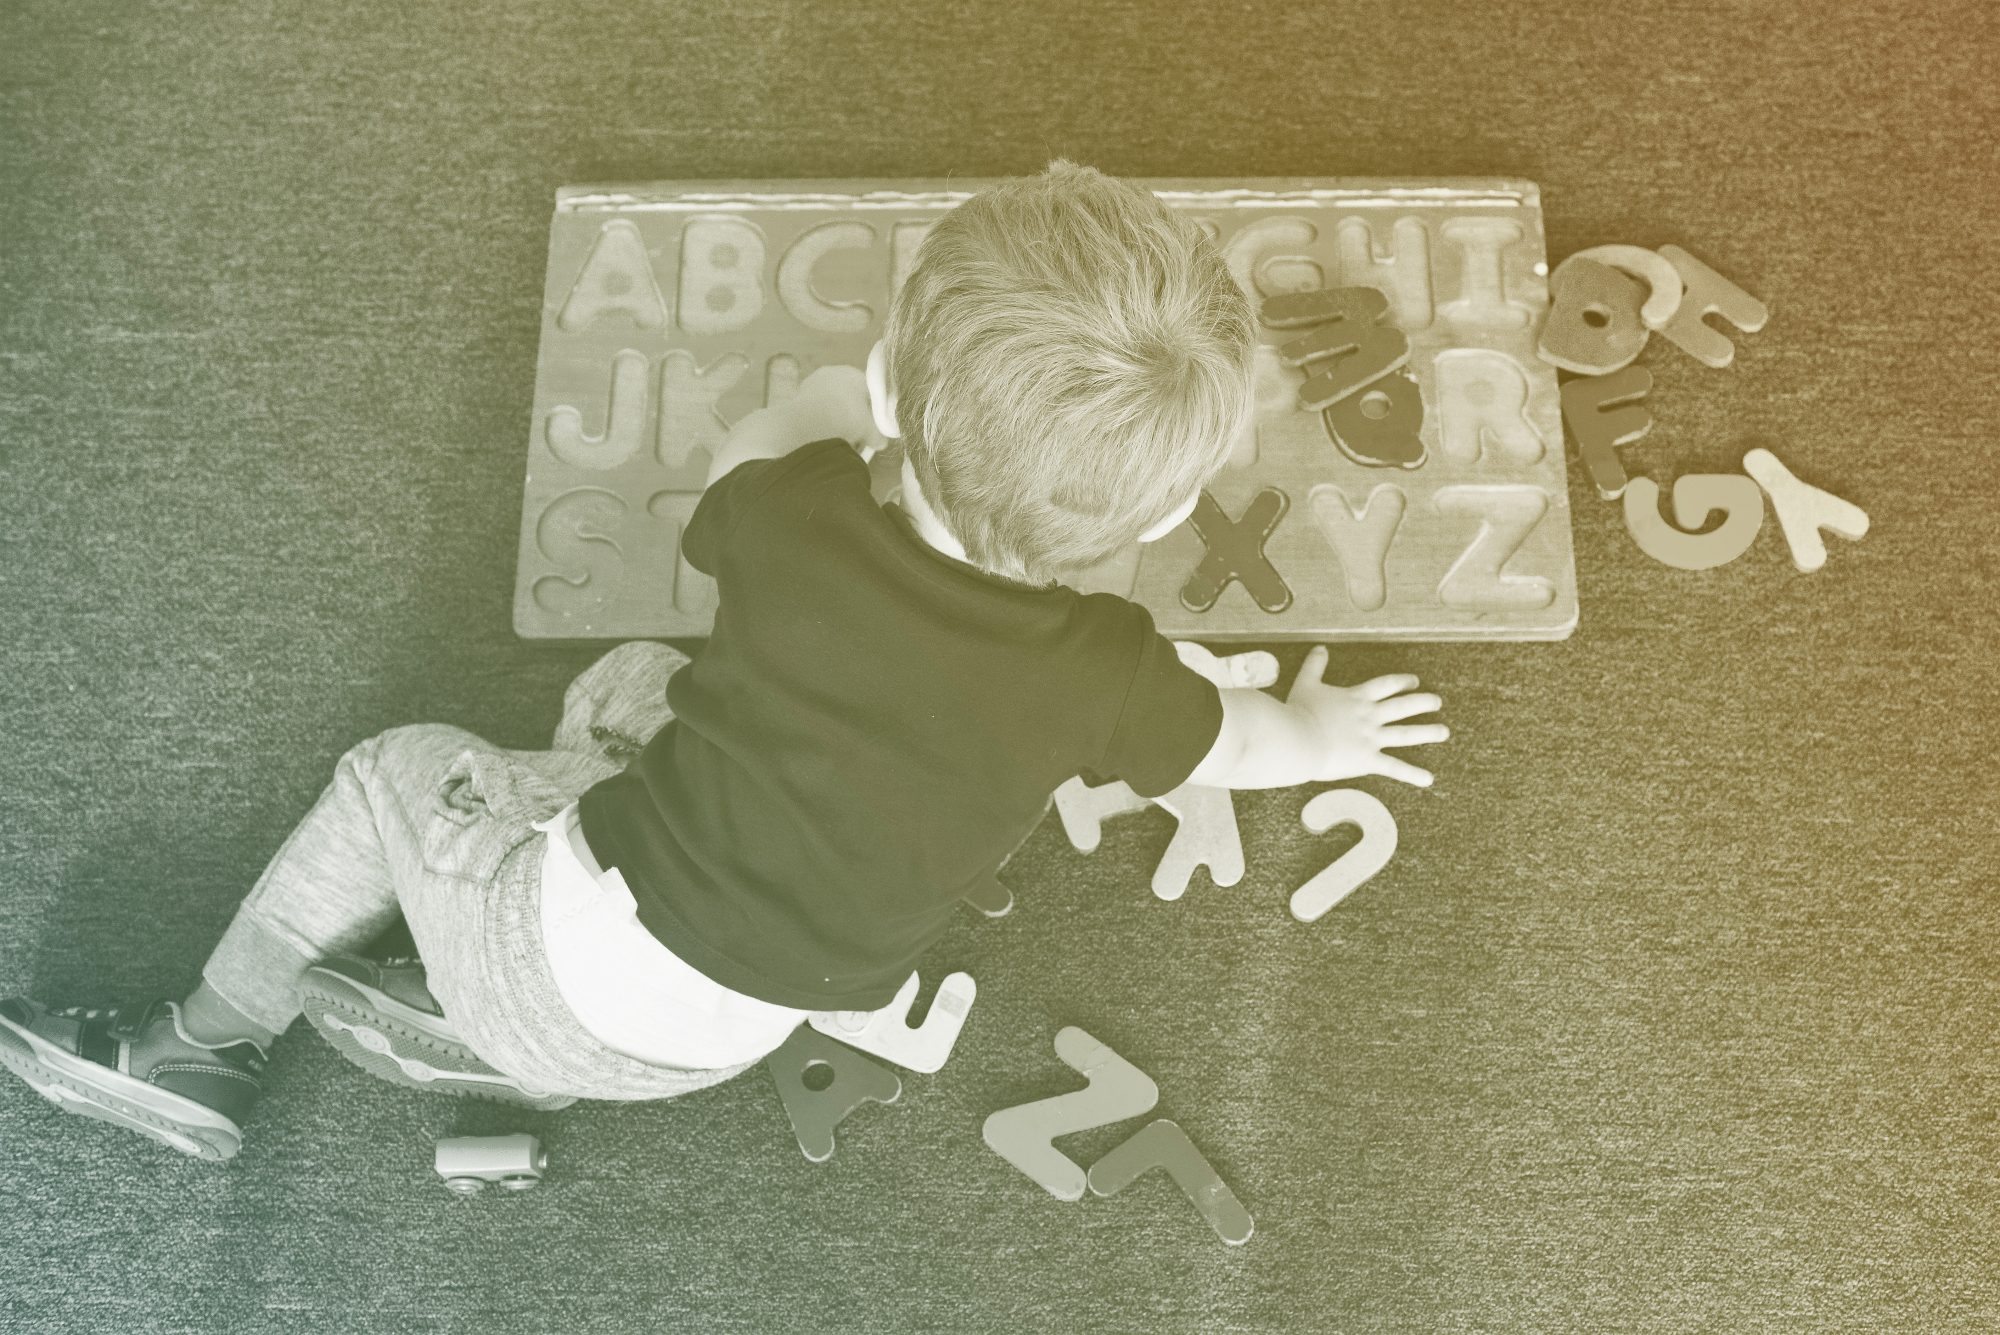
(1358,723)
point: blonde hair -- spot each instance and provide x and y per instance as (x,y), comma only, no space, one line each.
(1071,362)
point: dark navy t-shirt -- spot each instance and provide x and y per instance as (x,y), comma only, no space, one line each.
(872,728)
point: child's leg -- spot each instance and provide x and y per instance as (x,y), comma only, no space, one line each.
(332,887)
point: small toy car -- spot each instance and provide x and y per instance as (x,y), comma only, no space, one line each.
(468,1163)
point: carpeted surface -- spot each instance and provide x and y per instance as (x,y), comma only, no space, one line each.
(1676,1011)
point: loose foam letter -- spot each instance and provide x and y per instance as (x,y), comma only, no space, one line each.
(1662,280)
(854,1080)
(1162,1144)
(1506,515)
(1360,538)
(1803,510)
(1083,810)
(1117,1090)
(1352,869)
(1380,426)
(722,275)
(1346,350)
(1206,837)
(1236,553)
(888,1034)
(1709,293)
(1604,412)
(795,285)
(1593,326)
(624,420)
(1696,496)
(617,277)
(1482,402)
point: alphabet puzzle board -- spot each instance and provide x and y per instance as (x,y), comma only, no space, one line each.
(671,309)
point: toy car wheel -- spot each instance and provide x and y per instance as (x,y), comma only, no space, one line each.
(464,1186)
(518,1181)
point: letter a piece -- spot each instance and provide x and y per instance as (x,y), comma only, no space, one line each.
(1709,293)
(1352,869)
(1021,1135)
(1593,326)
(1604,412)
(1696,496)
(888,1034)
(1347,351)
(1803,510)
(1162,1144)
(816,1112)
(1207,837)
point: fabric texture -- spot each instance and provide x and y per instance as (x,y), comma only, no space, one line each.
(623,985)
(871,729)
(431,822)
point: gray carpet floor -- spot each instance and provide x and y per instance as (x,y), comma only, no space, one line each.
(1676,1011)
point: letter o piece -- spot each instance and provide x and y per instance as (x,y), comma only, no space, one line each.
(1352,869)
(1696,496)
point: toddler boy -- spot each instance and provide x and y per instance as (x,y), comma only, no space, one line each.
(713,849)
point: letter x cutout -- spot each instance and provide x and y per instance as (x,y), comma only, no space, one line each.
(1236,552)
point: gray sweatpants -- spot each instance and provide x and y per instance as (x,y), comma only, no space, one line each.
(434,823)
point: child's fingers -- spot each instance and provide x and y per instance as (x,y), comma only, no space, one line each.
(1312,672)
(1402,771)
(1420,734)
(1381,688)
(1407,706)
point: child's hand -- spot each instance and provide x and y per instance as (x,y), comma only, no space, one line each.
(833,401)
(1353,722)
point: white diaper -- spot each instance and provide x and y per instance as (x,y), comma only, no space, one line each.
(625,987)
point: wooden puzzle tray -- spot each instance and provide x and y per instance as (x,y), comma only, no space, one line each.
(671,309)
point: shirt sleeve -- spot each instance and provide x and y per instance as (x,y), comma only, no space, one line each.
(737,492)
(1170,718)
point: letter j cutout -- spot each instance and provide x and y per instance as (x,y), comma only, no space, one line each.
(1236,553)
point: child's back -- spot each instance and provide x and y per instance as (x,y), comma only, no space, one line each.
(890,696)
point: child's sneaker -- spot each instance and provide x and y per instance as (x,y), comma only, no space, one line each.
(380,1015)
(136,1067)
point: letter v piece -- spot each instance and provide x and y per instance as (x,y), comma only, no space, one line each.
(1022,1134)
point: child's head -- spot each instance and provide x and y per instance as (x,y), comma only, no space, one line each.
(1070,360)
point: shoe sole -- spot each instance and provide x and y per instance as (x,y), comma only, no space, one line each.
(89,1090)
(392,1042)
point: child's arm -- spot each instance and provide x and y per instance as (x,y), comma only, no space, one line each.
(831,402)
(1318,733)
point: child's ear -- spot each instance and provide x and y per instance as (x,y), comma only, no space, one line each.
(881,394)
(1172,521)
